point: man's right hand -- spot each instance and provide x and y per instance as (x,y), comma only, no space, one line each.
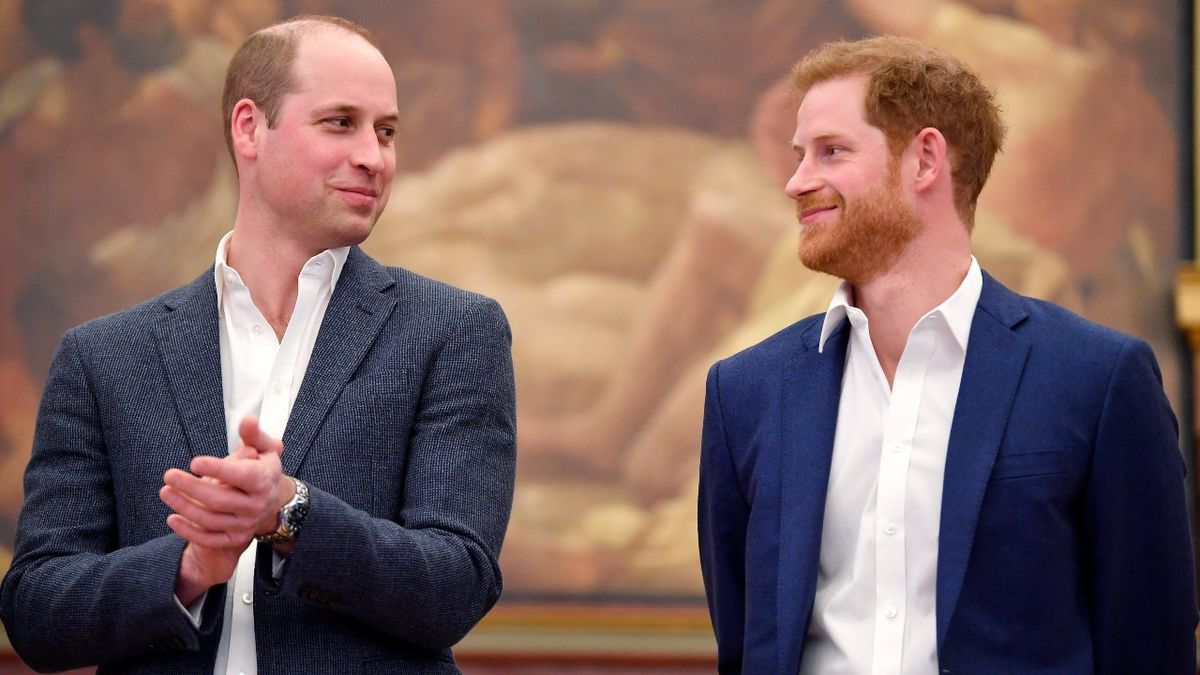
(211,555)
(220,510)
(203,567)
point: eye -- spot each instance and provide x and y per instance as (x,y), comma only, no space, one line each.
(834,150)
(338,122)
(386,134)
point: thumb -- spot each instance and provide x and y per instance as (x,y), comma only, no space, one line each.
(253,435)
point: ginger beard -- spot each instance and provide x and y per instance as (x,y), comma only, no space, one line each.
(865,240)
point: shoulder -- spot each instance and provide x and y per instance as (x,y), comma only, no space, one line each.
(1067,353)
(132,322)
(433,305)
(1053,329)
(423,290)
(773,352)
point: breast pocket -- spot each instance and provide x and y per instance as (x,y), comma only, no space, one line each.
(358,454)
(1033,464)
(379,409)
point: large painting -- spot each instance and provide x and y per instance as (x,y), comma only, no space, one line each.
(611,171)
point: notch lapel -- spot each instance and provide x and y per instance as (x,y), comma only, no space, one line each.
(189,345)
(357,311)
(810,390)
(995,361)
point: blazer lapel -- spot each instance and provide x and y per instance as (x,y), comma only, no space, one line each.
(810,389)
(357,312)
(995,361)
(189,344)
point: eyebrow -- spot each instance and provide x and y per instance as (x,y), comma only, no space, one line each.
(350,109)
(823,137)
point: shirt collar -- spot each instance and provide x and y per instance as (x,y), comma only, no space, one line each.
(958,309)
(326,264)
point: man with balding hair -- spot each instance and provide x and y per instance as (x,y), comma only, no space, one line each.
(303,461)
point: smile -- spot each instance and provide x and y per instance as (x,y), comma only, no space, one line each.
(359,196)
(807,216)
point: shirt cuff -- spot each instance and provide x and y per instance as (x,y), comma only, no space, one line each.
(277,563)
(193,610)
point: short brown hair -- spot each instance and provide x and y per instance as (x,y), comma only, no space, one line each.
(261,69)
(913,86)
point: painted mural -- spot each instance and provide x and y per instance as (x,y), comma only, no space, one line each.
(611,171)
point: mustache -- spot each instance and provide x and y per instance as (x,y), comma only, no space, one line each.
(810,202)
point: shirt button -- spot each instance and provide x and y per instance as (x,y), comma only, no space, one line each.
(229,278)
(277,388)
(897,447)
(890,528)
(256,329)
(890,612)
(247,599)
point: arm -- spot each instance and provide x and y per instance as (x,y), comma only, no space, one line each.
(72,597)
(723,516)
(1142,601)
(428,578)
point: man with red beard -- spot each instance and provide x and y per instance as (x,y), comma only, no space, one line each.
(937,474)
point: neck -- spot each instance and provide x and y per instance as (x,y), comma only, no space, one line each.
(925,275)
(270,267)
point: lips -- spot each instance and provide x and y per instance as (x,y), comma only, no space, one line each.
(807,212)
(365,191)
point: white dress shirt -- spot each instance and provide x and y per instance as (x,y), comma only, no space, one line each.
(260,375)
(876,589)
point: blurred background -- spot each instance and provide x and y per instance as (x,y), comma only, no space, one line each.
(611,171)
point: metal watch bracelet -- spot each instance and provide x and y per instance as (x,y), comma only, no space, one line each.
(291,517)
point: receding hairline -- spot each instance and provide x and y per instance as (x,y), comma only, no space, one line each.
(298,27)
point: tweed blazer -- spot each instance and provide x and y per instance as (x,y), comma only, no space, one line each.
(403,428)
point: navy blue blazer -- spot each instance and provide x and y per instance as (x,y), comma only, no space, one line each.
(1063,545)
(403,428)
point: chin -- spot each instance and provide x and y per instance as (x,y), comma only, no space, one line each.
(353,233)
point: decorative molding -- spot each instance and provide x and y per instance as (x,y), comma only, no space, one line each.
(1187,303)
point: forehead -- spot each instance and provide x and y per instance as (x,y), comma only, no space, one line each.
(335,65)
(836,106)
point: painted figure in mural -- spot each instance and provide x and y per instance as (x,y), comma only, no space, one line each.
(936,474)
(91,141)
(225,448)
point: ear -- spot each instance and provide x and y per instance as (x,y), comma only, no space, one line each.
(929,150)
(246,121)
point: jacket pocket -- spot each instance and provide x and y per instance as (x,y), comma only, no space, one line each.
(1048,462)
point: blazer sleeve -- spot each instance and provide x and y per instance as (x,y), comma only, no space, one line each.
(723,517)
(1142,601)
(429,578)
(71,597)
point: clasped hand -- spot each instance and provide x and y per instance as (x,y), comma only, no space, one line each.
(224,505)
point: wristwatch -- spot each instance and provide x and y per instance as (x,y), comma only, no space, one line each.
(291,517)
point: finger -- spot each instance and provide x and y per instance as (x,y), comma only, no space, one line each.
(253,435)
(208,519)
(243,451)
(201,537)
(214,495)
(253,476)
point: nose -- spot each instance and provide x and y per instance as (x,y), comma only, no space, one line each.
(803,180)
(369,154)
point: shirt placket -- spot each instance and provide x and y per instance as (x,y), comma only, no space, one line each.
(257,352)
(891,493)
